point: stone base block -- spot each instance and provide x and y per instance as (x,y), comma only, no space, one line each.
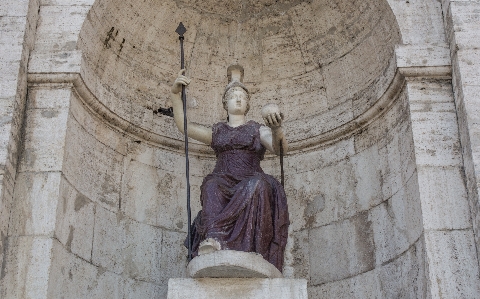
(231,264)
(237,288)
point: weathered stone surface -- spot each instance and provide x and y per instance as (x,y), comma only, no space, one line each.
(437,150)
(113,200)
(14,8)
(462,22)
(45,128)
(404,277)
(461,25)
(434,124)
(109,241)
(139,289)
(365,285)
(341,250)
(368,178)
(17,34)
(154,196)
(226,288)
(143,252)
(444,199)
(27,272)
(453,270)
(95,168)
(296,260)
(75,220)
(282,57)
(174,256)
(427,17)
(72,276)
(102,132)
(153,186)
(317,200)
(421,55)
(6,108)
(397,223)
(56,39)
(36,199)
(231,264)
(400,278)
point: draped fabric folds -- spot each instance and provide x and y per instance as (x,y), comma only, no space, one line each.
(243,208)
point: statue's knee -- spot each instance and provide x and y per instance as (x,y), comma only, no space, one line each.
(260,180)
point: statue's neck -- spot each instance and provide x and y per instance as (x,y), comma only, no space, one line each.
(236,120)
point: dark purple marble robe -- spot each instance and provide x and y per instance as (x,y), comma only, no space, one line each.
(242,207)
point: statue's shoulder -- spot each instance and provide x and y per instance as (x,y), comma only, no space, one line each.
(219,124)
(217,127)
(260,127)
(255,124)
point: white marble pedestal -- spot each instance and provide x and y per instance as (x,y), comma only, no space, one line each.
(237,288)
(228,274)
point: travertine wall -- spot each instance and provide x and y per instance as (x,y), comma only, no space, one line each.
(461,20)
(384,213)
(295,54)
(381,176)
(360,233)
(17,22)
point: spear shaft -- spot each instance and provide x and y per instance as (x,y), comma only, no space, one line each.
(282,173)
(181,30)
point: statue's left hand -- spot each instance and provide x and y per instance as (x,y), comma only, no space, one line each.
(272,137)
(274,120)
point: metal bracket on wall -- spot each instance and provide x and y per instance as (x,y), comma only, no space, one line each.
(164,111)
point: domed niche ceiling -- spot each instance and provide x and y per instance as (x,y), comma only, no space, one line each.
(324,62)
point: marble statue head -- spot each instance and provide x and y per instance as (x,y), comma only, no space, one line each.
(235,78)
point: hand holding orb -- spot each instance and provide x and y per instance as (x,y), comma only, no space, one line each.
(272,116)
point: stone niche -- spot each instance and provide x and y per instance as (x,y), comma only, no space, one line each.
(356,223)
(324,63)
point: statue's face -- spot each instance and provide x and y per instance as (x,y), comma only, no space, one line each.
(237,102)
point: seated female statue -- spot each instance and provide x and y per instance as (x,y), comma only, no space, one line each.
(243,208)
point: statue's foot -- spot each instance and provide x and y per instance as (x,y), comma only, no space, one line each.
(208,246)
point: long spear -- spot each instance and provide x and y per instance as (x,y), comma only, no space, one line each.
(282,173)
(181,31)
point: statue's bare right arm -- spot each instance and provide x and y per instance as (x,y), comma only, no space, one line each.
(195,131)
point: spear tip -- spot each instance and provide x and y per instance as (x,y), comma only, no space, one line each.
(181,29)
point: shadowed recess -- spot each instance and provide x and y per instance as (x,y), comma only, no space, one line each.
(324,62)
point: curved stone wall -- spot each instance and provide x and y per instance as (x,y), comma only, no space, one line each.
(91,183)
(324,63)
(352,182)
(352,208)
(121,219)
(356,213)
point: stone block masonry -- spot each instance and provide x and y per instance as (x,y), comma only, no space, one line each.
(381,104)
(237,288)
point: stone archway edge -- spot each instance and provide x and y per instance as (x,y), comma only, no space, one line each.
(381,106)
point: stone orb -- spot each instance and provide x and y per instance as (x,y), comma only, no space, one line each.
(269,109)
